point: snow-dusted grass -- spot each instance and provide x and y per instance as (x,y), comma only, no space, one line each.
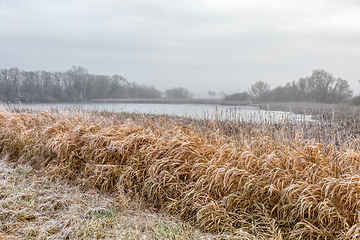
(245,180)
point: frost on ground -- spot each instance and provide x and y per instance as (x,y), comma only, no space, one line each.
(33,206)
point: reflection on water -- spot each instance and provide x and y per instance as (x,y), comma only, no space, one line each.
(198,111)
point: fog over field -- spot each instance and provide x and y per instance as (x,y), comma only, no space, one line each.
(201,45)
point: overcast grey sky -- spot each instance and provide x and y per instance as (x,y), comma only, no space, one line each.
(201,45)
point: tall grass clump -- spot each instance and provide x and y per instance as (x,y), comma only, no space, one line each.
(34,206)
(247,180)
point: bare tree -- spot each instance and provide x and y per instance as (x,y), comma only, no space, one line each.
(178,93)
(259,88)
(321,86)
(212,94)
(7,88)
(76,84)
(260,91)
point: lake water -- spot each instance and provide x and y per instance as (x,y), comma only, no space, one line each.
(239,113)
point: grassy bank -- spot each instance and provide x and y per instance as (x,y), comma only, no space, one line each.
(242,179)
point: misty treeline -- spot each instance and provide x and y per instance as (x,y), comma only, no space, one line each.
(320,87)
(75,84)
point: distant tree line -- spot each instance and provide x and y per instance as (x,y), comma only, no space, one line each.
(320,87)
(76,84)
(179,93)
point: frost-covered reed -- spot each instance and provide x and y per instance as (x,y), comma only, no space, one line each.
(247,179)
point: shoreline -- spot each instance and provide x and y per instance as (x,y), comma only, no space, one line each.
(173,101)
(292,107)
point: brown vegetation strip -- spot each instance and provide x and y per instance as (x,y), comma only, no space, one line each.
(34,206)
(262,184)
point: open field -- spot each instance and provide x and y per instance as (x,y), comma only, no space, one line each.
(242,180)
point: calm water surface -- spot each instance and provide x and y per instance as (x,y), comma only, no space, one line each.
(240,113)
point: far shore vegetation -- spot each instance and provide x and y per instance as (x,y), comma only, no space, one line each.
(78,85)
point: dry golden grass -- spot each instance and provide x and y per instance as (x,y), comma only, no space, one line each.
(244,180)
(33,206)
